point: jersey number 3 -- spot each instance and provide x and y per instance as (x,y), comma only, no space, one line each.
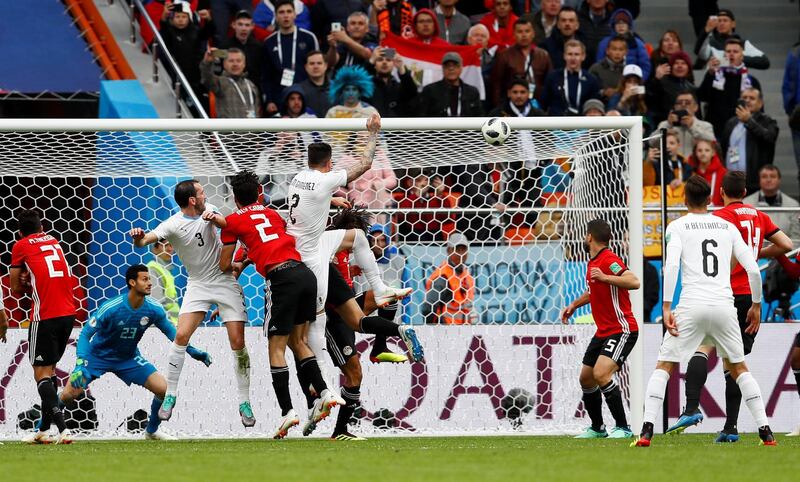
(262,227)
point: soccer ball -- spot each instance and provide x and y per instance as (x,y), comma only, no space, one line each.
(517,402)
(495,131)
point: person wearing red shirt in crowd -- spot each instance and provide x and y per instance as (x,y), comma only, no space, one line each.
(426,28)
(291,288)
(38,267)
(609,281)
(706,163)
(500,22)
(755,227)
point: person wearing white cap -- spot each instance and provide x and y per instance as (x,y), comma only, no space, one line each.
(630,98)
(450,290)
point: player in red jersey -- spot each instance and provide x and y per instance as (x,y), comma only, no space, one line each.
(754,226)
(608,281)
(38,267)
(291,290)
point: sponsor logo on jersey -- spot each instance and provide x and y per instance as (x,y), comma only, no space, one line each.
(144,321)
(615,267)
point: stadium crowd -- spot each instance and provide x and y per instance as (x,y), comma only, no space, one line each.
(340,59)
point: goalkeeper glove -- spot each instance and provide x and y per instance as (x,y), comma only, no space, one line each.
(79,378)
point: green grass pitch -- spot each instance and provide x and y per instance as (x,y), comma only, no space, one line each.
(404,459)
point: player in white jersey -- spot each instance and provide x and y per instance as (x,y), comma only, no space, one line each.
(310,195)
(193,232)
(701,246)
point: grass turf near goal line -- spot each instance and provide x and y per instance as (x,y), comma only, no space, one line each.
(405,459)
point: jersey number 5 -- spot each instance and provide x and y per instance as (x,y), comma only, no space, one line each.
(262,227)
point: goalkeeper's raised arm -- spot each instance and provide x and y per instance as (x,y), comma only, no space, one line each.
(365,163)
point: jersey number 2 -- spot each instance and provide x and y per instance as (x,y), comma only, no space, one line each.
(262,227)
(295,202)
(710,260)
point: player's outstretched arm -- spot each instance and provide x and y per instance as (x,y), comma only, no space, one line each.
(216,218)
(792,268)
(79,378)
(781,244)
(567,312)
(142,239)
(671,267)
(365,163)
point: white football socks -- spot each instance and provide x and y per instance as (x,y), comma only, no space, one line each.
(365,259)
(241,367)
(175,359)
(317,343)
(654,396)
(751,394)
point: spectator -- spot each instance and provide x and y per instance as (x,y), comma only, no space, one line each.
(236,95)
(706,163)
(450,290)
(160,268)
(566,30)
(244,40)
(281,52)
(769,194)
(352,46)
(748,141)
(222,10)
(479,36)
(700,10)
(523,59)
(669,44)
(520,179)
(500,22)
(669,79)
(396,16)
(324,13)
(453,25)
(683,118)
(722,86)
(391,98)
(426,28)
(517,103)
(609,70)
(545,19)
(677,170)
(594,108)
(622,25)
(288,147)
(630,96)
(594,17)
(791,97)
(713,42)
(348,87)
(429,193)
(450,97)
(316,86)
(185,40)
(264,17)
(566,89)
(293,104)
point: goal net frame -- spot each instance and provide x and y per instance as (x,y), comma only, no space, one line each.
(224,164)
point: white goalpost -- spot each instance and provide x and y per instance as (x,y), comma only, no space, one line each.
(512,367)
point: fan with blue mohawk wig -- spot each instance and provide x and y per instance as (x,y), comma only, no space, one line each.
(351,75)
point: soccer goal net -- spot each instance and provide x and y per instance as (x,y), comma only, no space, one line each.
(497,357)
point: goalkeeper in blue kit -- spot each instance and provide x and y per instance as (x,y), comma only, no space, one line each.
(109,343)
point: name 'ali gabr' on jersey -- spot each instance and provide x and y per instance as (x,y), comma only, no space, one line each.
(197,243)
